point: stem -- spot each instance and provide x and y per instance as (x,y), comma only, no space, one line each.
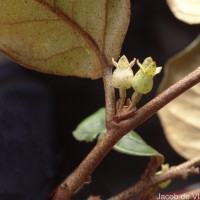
(161,100)
(150,170)
(109,91)
(134,99)
(118,130)
(183,170)
(122,94)
(72,183)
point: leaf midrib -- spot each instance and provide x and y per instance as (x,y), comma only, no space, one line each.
(87,38)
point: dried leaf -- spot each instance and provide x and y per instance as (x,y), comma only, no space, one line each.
(181,117)
(187,11)
(64,37)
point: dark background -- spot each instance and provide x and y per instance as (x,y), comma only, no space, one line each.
(38,113)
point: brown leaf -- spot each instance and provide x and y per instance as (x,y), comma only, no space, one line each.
(64,37)
(187,11)
(181,117)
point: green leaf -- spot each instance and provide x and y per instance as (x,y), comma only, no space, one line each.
(63,37)
(91,127)
(131,144)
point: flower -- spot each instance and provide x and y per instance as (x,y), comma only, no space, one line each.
(143,79)
(123,75)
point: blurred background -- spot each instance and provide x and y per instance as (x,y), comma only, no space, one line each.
(38,113)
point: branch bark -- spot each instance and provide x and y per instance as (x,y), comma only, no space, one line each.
(117,130)
(183,170)
(109,91)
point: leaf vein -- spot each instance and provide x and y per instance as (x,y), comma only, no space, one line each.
(36,58)
(105,25)
(29,21)
(76,27)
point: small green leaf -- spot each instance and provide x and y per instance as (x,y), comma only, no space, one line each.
(90,127)
(133,144)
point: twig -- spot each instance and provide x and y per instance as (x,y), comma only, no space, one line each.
(118,130)
(161,100)
(150,170)
(124,115)
(183,170)
(109,91)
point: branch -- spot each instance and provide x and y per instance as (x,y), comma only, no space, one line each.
(117,130)
(161,100)
(109,90)
(183,170)
(150,170)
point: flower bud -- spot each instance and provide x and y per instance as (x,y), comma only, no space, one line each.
(164,168)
